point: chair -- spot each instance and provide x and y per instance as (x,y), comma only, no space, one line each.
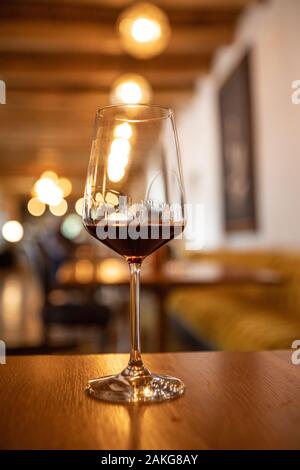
(71,313)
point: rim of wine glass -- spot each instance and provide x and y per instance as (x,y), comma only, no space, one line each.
(169,114)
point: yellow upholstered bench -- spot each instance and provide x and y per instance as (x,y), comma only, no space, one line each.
(243,318)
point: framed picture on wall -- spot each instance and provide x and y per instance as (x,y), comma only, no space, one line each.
(238,150)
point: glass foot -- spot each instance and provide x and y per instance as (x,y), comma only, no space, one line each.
(135,386)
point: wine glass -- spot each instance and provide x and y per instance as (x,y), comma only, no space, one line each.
(134,204)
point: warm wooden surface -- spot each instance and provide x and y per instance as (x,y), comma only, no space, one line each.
(233,400)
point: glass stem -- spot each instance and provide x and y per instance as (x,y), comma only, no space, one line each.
(135,361)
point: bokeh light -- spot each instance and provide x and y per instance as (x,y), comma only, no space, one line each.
(36,207)
(111,270)
(65,185)
(50,174)
(84,271)
(12,231)
(129,92)
(115,160)
(120,149)
(119,153)
(48,192)
(71,226)
(111,199)
(131,89)
(99,197)
(144,30)
(123,131)
(79,206)
(60,209)
(115,172)
(120,146)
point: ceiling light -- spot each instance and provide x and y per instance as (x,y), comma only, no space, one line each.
(131,89)
(144,30)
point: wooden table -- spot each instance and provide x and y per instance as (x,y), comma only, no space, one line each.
(232,401)
(113,272)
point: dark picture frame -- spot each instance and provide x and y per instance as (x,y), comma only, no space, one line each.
(235,105)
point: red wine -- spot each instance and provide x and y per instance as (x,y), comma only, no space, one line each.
(134,242)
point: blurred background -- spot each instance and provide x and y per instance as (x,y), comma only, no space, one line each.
(230,69)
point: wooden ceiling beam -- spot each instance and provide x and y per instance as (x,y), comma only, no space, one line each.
(64,38)
(33,167)
(58,120)
(166,4)
(96,82)
(178,11)
(75,100)
(77,62)
(94,72)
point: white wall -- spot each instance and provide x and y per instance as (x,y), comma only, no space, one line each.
(272,32)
